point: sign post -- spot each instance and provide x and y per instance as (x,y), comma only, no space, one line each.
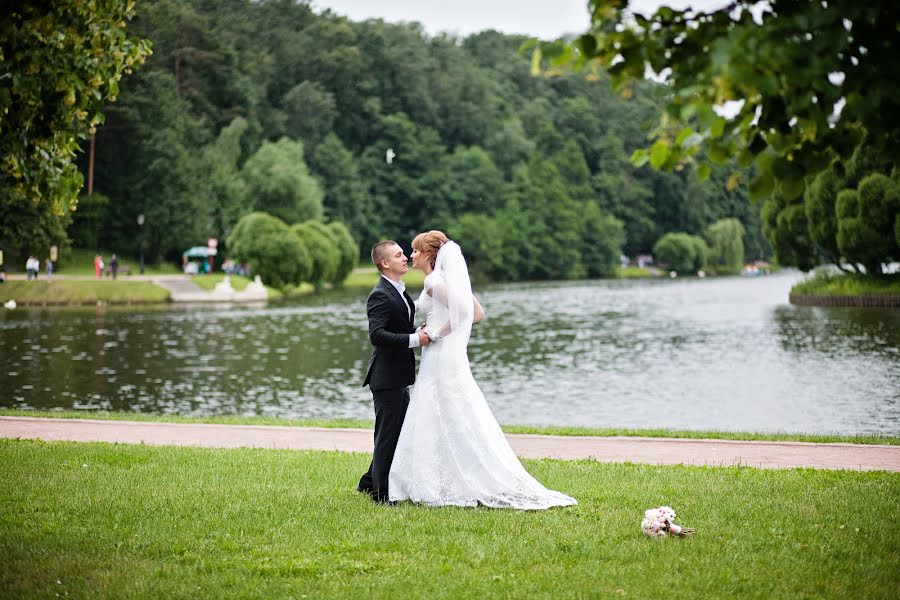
(212,244)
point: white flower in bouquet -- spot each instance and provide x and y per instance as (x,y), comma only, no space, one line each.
(659,522)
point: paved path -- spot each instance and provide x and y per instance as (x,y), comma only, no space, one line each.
(657,451)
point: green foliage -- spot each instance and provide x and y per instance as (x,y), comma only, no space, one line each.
(87,221)
(271,249)
(726,241)
(346,195)
(190,143)
(683,253)
(347,249)
(788,67)
(278,182)
(866,222)
(323,251)
(786,227)
(60,62)
(309,111)
(602,239)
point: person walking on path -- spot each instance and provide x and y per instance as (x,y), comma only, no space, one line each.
(114,266)
(98,266)
(392,368)
(49,265)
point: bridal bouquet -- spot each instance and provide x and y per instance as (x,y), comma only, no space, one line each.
(658,522)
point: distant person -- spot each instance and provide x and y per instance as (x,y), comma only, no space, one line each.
(114,266)
(98,266)
(49,267)
(2,275)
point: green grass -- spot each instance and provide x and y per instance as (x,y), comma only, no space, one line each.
(368,277)
(81,262)
(830,284)
(361,423)
(122,521)
(59,291)
(635,273)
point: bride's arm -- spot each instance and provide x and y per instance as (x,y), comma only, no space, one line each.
(479,310)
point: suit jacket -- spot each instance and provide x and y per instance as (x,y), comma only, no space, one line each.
(393,364)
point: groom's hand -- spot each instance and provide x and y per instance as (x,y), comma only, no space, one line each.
(423,338)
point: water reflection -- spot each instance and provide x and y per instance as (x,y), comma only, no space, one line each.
(714,353)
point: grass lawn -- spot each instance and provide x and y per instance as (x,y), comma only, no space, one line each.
(81,262)
(101,520)
(367,277)
(831,284)
(635,272)
(60,291)
(355,424)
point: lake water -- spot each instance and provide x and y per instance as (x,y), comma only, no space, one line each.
(726,353)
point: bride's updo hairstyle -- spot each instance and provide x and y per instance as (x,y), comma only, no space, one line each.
(429,243)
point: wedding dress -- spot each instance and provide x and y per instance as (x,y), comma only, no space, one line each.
(451,450)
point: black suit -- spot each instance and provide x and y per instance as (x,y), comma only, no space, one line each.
(391,369)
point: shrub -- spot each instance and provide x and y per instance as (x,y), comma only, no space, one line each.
(347,249)
(325,256)
(866,222)
(683,253)
(271,250)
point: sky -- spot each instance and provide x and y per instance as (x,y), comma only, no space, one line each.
(545,19)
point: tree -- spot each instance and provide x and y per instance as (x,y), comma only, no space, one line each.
(59,63)
(810,78)
(278,182)
(683,252)
(322,252)
(602,239)
(271,250)
(726,241)
(346,197)
(866,222)
(309,111)
(347,248)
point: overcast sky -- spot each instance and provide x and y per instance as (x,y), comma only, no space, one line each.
(546,19)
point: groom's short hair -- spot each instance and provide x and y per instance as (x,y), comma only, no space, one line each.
(382,251)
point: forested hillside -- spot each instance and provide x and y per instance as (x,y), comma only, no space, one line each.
(267,106)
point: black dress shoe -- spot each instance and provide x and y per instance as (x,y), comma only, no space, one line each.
(365,490)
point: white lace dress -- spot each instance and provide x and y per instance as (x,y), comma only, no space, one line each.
(451,450)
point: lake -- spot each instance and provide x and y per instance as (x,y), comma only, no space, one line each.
(714,353)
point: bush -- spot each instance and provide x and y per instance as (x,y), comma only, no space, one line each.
(271,250)
(322,250)
(347,249)
(866,222)
(683,253)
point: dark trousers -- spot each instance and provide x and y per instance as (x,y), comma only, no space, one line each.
(390,409)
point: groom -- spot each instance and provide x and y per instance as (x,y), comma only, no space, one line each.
(392,367)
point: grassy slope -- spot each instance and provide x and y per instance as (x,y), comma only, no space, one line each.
(60,291)
(353,423)
(828,284)
(81,262)
(101,520)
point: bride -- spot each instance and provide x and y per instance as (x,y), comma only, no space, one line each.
(451,450)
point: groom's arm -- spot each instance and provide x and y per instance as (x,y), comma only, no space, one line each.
(378,308)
